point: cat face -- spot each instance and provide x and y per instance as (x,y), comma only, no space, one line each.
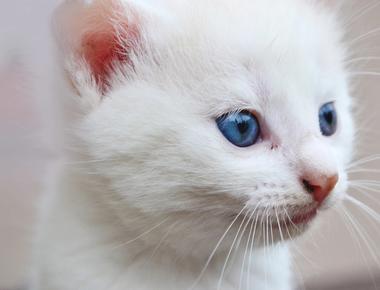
(209,114)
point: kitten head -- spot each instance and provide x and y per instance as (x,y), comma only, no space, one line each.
(212,112)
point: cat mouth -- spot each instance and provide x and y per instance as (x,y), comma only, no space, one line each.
(298,219)
(304,218)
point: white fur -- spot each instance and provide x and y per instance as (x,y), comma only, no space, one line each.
(149,184)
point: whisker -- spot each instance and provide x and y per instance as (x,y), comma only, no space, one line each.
(364,35)
(220,281)
(266,246)
(89,161)
(364,207)
(245,251)
(250,254)
(362,12)
(161,241)
(366,170)
(365,73)
(241,235)
(365,186)
(279,225)
(354,236)
(140,236)
(364,58)
(363,191)
(291,238)
(216,248)
(296,248)
(271,231)
(365,182)
(364,236)
(291,221)
(364,160)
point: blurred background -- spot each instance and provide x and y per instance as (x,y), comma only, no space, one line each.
(342,253)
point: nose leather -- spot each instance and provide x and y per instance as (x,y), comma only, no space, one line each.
(320,187)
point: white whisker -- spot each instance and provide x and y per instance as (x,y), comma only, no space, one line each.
(362,12)
(216,248)
(364,236)
(230,251)
(365,73)
(250,254)
(366,58)
(245,252)
(140,236)
(364,35)
(364,160)
(279,225)
(294,244)
(364,207)
(352,233)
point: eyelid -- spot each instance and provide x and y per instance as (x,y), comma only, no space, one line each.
(328,103)
(264,129)
(237,111)
(231,112)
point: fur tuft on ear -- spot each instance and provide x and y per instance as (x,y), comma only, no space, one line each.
(97,37)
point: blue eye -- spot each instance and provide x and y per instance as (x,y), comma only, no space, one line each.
(241,128)
(328,119)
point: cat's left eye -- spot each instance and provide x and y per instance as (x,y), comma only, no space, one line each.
(240,128)
(328,119)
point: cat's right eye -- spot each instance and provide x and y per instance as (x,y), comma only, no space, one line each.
(240,128)
(328,119)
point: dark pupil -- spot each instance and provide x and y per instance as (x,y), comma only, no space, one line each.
(242,125)
(329,117)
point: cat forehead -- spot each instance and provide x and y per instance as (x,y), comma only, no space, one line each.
(254,28)
(252,47)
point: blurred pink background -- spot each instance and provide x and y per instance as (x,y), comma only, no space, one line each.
(330,256)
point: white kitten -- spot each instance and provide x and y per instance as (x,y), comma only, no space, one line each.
(202,135)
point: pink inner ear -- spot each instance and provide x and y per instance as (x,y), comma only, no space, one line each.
(103,46)
(102,52)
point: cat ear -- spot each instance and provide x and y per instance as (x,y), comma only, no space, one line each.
(97,38)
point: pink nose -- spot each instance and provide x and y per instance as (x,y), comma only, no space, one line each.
(320,187)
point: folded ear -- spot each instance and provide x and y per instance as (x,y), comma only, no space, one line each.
(97,38)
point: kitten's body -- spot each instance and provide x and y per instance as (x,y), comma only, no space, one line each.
(153,186)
